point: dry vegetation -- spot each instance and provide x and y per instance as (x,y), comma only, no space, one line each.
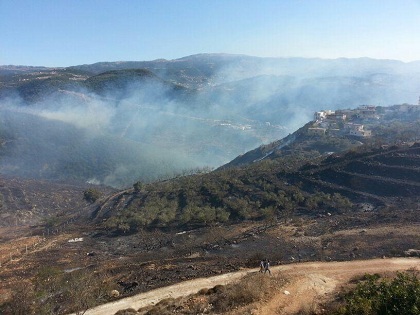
(221,299)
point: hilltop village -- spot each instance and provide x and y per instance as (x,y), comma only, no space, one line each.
(353,122)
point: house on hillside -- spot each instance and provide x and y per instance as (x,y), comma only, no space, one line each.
(337,116)
(357,130)
(367,112)
(318,116)
(329,115)
(323,114)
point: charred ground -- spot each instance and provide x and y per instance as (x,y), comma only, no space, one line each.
(360,204)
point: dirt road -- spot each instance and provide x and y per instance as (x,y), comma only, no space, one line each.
(309,284)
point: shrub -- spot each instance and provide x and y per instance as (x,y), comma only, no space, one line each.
(138,186)
(250,289)
(400,295)
(91,195)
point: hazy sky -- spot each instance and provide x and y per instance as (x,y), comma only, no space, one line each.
(72,32)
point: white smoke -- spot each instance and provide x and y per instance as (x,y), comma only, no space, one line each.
(146,131)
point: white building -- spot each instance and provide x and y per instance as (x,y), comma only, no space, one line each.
(323,114)
(357,130)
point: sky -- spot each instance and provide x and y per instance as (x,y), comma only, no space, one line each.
(58,33)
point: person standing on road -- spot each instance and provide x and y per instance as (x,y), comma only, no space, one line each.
(262,264)
(267,266)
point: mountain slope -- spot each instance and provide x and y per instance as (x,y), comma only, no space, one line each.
(357,204)
(366,178)
(204,110)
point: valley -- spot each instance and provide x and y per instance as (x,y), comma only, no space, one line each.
(122,180)
(119,122)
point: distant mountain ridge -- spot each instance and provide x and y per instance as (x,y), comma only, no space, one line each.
(204,109)
(209,64)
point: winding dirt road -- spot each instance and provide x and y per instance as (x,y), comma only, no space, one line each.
(309,283)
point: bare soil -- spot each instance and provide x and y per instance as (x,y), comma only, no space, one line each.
(309,285)
(157,259)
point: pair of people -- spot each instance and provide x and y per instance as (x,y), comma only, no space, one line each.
(265,266)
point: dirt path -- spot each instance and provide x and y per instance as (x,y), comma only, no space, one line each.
(176,290)
(309,284)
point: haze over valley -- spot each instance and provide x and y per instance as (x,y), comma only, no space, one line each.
(115,123)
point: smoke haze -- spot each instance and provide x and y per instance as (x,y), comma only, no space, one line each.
(120,127)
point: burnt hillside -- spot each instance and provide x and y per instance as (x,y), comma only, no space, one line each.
(382,174)
(380,177)
(153,235)
(25,202)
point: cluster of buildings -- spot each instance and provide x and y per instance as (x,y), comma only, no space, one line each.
(350,121)
(342,121)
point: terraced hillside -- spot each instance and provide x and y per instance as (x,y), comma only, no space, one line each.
(25,202)
(381,175)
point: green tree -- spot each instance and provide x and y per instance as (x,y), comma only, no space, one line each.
(222,215)
(91,195)
(138,186)
(269,215)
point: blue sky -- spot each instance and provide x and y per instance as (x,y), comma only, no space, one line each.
(72,32)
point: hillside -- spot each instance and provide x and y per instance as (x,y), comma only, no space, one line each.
(342,130)
(372,179)
(157,234)
(202,110)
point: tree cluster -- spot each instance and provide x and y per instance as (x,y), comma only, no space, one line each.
(259,192)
